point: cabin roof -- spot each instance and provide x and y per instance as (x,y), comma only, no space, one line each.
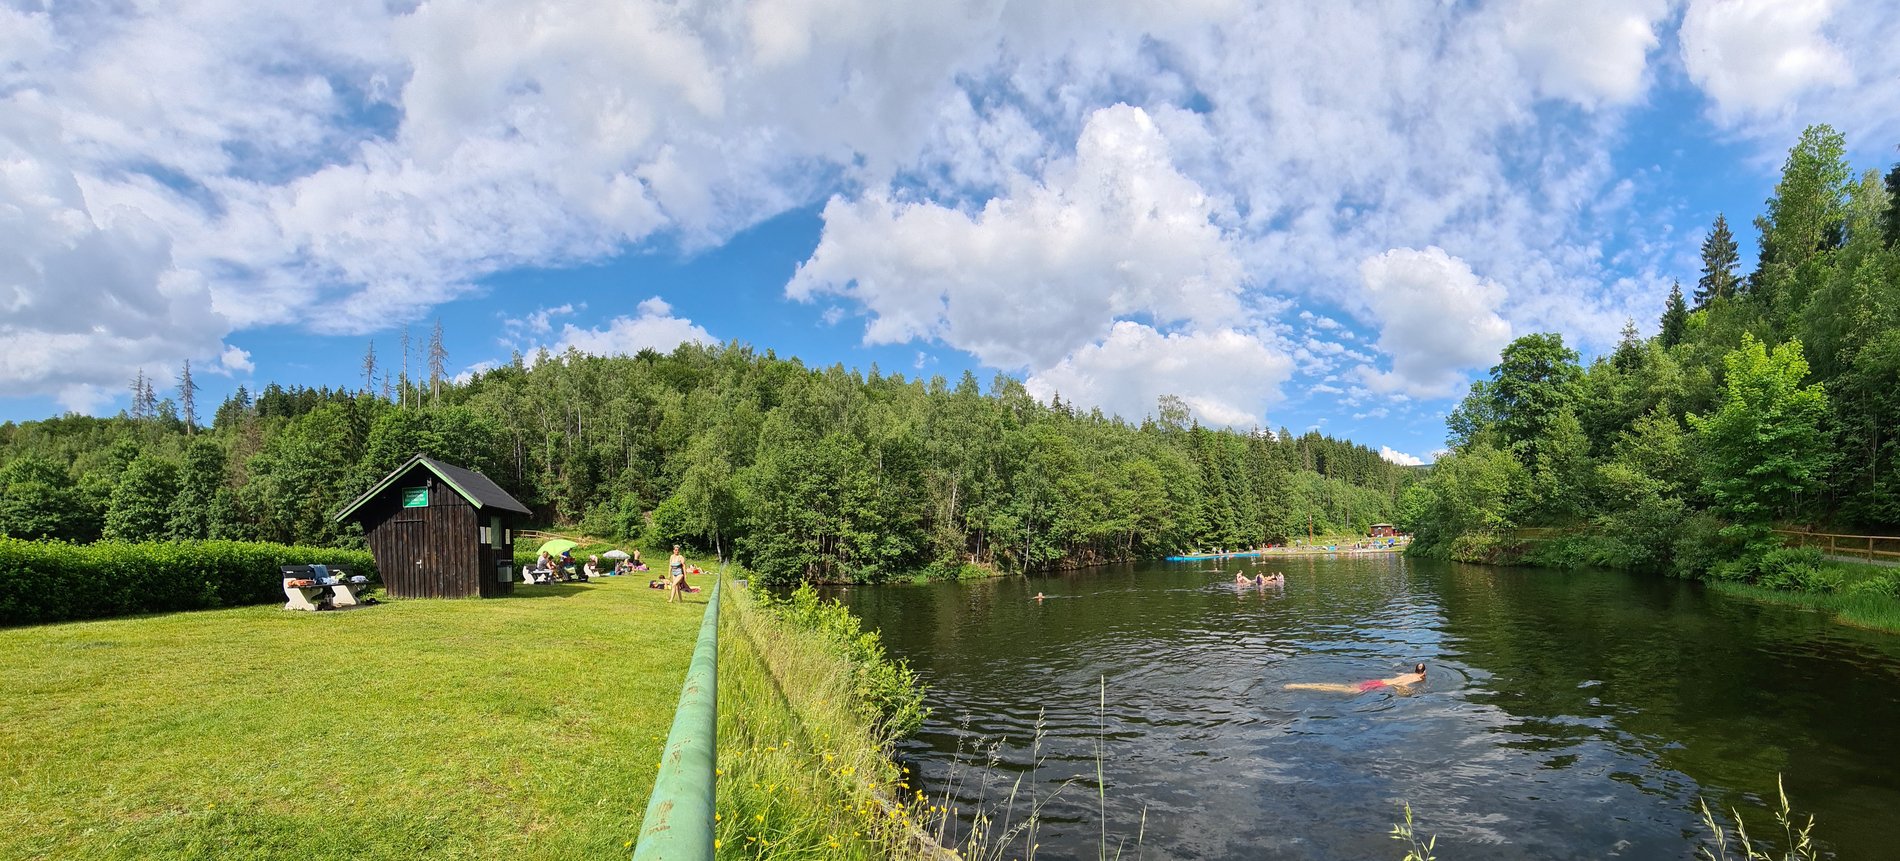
(473,486)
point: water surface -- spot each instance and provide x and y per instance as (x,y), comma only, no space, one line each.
(1566,714)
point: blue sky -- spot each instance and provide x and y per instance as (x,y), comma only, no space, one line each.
(1321,217)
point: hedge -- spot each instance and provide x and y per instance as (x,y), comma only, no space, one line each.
(52,581)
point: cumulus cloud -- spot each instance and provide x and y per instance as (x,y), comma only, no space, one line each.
(347,166)
(1757,56)
(653,326)
(1226,377)
(1437,319)
(1399,457)
(1589,53)
(1035,274)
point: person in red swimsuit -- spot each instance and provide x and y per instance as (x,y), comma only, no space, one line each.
(1402,680)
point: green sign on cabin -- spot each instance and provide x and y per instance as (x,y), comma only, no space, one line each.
(415,497)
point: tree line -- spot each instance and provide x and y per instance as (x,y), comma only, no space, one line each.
(1766,399)
(801,473)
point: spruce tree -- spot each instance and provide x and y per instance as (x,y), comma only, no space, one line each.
(188,398)
(438,361)
(369,369)
(1719,259)
(1675,318)
(1891,233)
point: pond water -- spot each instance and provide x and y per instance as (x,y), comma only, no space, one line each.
(1565,714)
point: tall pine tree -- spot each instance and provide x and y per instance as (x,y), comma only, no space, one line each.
(1719,260)
(188,399)
(1675,318)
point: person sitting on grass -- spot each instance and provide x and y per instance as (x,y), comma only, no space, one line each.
(592,568)
(1400,681)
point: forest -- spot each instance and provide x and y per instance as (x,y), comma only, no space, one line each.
(799,473)
(1767,399)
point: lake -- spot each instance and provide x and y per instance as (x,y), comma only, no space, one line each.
(1565,714)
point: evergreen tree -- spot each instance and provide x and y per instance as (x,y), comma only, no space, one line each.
(188,398)
(438,362)
(1675,318)
(1890,233)
(369,368)
(136,410)
(1720,257)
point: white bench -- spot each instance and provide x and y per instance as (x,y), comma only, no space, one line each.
(331,579)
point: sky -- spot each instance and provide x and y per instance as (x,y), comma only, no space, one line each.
(1302,215)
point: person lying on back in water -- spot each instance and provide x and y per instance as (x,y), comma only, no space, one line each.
(1402,680)
(1242,580)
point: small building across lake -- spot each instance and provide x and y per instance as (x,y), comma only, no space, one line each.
(439,531)
(1384,530)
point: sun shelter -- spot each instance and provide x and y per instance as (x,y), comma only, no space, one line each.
(439,531)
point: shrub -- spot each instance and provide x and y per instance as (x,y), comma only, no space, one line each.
(52,581)
(1701,550)
(1793,569)
(1882,585)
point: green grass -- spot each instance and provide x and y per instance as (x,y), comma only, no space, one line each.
(1861,608)
(802,775)
(524,727)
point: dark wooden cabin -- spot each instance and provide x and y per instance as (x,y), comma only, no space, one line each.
(439,531)
(1384,530)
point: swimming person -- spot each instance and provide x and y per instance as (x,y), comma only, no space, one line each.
(1242,580)
(1402,680)
(1039,597)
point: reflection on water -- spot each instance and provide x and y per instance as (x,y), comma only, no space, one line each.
(1565,715)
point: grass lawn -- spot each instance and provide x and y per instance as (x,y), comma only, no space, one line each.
(523,727)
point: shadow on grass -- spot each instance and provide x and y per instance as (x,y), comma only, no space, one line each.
(547,590)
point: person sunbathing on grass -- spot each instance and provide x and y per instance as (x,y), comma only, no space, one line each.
(1402,680)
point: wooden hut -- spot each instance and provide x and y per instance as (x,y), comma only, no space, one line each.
(1384,530)
(439,531)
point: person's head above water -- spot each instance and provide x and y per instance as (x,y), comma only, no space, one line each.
(1420,669)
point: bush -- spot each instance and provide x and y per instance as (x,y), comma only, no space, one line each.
(52,581)
(1882,585)
(1794,569)
(1700,549)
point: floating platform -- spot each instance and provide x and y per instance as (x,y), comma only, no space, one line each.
(1202,557)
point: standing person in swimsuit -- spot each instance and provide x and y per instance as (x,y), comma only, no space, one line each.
(676,576)
(1402,680)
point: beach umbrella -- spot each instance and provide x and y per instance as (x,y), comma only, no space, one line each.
(614,554)
(557,546)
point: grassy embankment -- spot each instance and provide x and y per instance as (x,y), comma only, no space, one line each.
(1864,596)
(527,726)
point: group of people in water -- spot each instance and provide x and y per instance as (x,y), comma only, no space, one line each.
(1262,580)
(1402,682)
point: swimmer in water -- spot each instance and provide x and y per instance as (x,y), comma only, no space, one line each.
(1039,597)
(1403,680)
(1242,580)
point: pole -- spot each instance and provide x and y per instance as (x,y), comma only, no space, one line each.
(679,820)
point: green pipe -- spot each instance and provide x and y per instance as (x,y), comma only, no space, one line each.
(679,819)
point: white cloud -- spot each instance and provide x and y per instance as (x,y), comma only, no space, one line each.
(1399,457)
(1033,275)
(653,327)
(1437,318)
(1227,378)
(234,361)
(347,166)
(1590,53)
(1757,56)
